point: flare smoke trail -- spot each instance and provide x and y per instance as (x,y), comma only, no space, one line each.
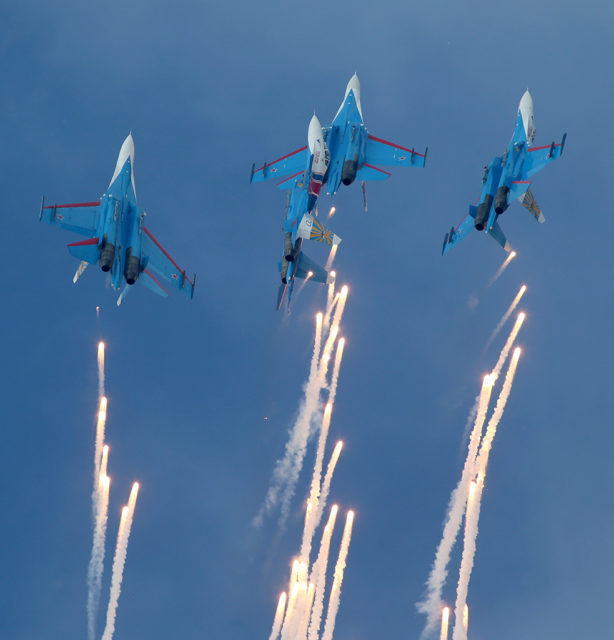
(496,372)
(318,575)
(502,268)
(290,610)
(302,629)
(335,593)
(331,257)
(473,506)
(328,477)
(119,560)
(96,564)
(99,442)
(506,316)
(431,605)
(336,366)
(445,620)
(279,616)
(100,368)
(288,468)
(331,291)
(314,494)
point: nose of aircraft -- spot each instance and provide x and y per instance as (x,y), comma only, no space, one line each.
(314,133)
(126,151)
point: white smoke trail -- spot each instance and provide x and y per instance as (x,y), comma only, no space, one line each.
(336,366)
(331,291)
(473,506)
(496,372)
(101,422)
(100,368)
(335,594)
(96,564)
(318,575)
(287,469)
(328,477)
(119,560)
(506,316)
(331,257)
(314,494)
(431,605)
(100,501)
(289,617)
(502,268)
(279,616)
(304,623)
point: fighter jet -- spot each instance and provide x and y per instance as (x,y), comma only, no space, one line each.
(354,152)
(506,178)
(300,224)
(117,237)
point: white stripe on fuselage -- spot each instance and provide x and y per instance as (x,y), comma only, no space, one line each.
(127,151)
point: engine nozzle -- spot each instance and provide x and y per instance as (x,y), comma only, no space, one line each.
(132,268)
(481,216)
(348,173)
(107,256)
(501,203)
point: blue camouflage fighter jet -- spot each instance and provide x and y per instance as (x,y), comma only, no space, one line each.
(300,218)
(506,178)
(354,152)
(300,224)
(117,237)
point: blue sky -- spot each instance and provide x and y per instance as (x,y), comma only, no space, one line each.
(207,89)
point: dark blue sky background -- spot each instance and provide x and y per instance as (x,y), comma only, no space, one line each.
(207,89)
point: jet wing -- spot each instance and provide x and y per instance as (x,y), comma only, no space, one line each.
(538,157)
(380,151)
(155,258)
(80,217)
(293,162)
(456,234)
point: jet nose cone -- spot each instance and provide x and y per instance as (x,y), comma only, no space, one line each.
(526,102)
(314,133)
(354,85)
(127,149)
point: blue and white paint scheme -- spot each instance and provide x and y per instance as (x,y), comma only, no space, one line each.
(117,237)
(506,179)
(354,152)
(301,224)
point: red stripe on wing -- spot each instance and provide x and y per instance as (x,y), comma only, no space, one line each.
(376,168)
(76,204)
(396,146)
(289,178)
(270,164)
(146,230)
(546,146)
(148,272)
(84,243)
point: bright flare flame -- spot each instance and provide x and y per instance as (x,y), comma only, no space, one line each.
(445,621)
(466,617)
(331,213)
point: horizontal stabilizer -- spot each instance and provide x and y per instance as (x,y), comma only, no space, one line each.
(370,172)
(156,259)
(152,283)
(530,204)
(307,268)
(380,151)
(86,250)
(497,233)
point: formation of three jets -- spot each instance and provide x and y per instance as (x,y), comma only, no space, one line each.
(342,152)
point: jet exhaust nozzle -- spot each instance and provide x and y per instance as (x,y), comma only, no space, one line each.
(481,216)
(288,248)
(132,268)
(107,256)
(284,270)
(501,203)
(348,173)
